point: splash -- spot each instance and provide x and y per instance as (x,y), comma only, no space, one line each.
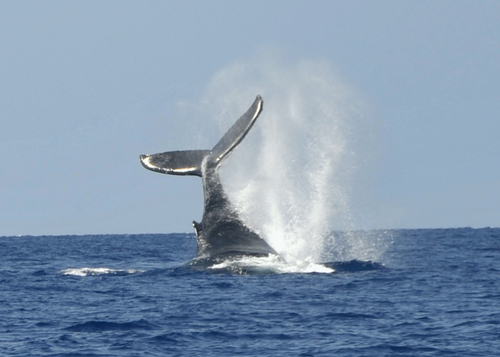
(293,177)
(270,265)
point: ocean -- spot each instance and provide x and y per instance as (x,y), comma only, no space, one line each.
(433,292)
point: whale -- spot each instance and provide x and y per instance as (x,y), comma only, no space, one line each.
(221,233)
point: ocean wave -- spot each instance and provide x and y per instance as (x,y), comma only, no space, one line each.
(99,271)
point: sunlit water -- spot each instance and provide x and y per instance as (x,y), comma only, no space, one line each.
(432,293)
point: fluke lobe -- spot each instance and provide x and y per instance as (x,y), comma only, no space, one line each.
(221,232)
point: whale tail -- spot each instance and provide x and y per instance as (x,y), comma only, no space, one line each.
(175,162)
(190,162)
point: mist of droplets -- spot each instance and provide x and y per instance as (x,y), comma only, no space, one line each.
(292,178)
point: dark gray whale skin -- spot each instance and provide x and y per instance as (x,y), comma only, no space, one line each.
(221,232)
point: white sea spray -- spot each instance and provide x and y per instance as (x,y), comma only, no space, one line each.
(301,172)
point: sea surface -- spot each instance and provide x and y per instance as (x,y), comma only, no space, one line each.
(434,292)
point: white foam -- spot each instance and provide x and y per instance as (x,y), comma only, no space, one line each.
(98,271)
(271,263)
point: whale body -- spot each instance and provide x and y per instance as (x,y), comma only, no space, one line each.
(221,232)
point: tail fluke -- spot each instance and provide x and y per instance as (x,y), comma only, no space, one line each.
(238,131)
(175,162)
(189,162)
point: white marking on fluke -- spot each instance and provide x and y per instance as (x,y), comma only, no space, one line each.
(188,169)
(147,163)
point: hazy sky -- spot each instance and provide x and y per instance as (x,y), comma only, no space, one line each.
(87,86)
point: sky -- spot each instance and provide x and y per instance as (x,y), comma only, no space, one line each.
(88,86)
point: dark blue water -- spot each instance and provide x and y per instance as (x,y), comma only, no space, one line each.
(433,293)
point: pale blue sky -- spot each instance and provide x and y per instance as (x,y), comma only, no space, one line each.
(87,86)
